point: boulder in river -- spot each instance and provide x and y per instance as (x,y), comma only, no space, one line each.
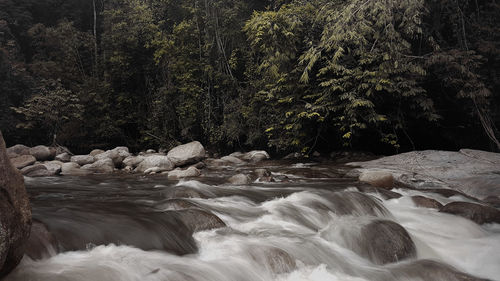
(255,156)
(430,270)
(383,241)
(377,178)
(133,161)
(63,157)
(475,212)
(73,169)
(41,243)
(23,161)
(179,173)
(43,153)
(425,202)
(160,161)
(240,179)
(15,214)
(275,259)
(188,153)
(116,154)
(96,152)
(199,220)
(232,160)
(53,166)
(83,159)
(18,150)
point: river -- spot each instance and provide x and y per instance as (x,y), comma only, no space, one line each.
(307,225)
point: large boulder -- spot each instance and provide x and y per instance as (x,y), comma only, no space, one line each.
(199,220)
(41,243)
(23,161)
(232,160)
(30,169)
(43,153)
(18,150)
(472,172)
(179,173)
(475,212)
(83,159)
(161,161)
(101,166)
(15,214)
(188,153)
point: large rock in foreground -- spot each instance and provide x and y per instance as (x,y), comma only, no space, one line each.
(15,214)
(473,172)
(188,153)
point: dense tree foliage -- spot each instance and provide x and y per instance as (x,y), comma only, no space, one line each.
(383,75)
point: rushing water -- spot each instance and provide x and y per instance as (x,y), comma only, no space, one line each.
(306,226)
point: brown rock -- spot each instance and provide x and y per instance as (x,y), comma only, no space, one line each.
(23,161)
(422,201)
(15,214)
(30,169)
(377,178)
(42,152)
(41,243)
(475,212)
(18,150)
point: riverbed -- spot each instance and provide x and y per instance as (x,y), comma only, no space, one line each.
(305,225)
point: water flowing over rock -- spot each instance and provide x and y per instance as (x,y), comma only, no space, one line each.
(199,220)
(475,212)
(386,194)
(155,161)
(41,243)
(63,157)
(15,214)
(42,152)
(188,153)
(276,259)
(232,160)
(23,161)
(83,159)
(422,201)
(96,152)
(473,172)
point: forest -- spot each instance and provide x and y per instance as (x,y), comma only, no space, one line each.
(385,76)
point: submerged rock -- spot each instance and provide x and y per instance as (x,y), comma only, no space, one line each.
(15,214)
(101,166)
(475,212)
(63,157)
(188,153)
(386,194)
(17,150)
(199,220)
(41,243)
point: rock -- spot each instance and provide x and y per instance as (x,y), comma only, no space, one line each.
(101,166)
(430,270)
(493,201)
(29,169)
(377,178)
(23,161)
(263,175)
(63,157)
(42,153)
(232,160)
(17,150)
(295,155)
(153,170)
(160,161)
(41,243)
(62,149)
(176,204)
(96,152)
(150,151)
(386,194)
(117,155)
(133,161)
(188,153)
(83,159)
(240,179)
(179,173)
(199,220)
(15,214)
(53,166)
(475,212)
(472,172)
(275,259)
(425,202)
(189,192)
(255,156)
(383,241)
(73,169)
(199,165)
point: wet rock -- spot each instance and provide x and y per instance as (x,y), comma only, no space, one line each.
(83,159)
(117,155)
(263,175)
(23,161)
(430,270)
(53,167)
(96,152)
(179,173)
(133,161)
(493,201)
(176,204)
(377,178)
(386,194)
(273,258)
(189,192)
(383,241)
(199,220)
(239,179)
(353,203)
(232,160)
(425,202)
(160,161)
(29,169)
(101,166)
(15,214)
(41,243)
(63,157)
(445,192)
(475,212)
(255,156)
(42,153)
(73,169)
(188,153)
(17,150)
